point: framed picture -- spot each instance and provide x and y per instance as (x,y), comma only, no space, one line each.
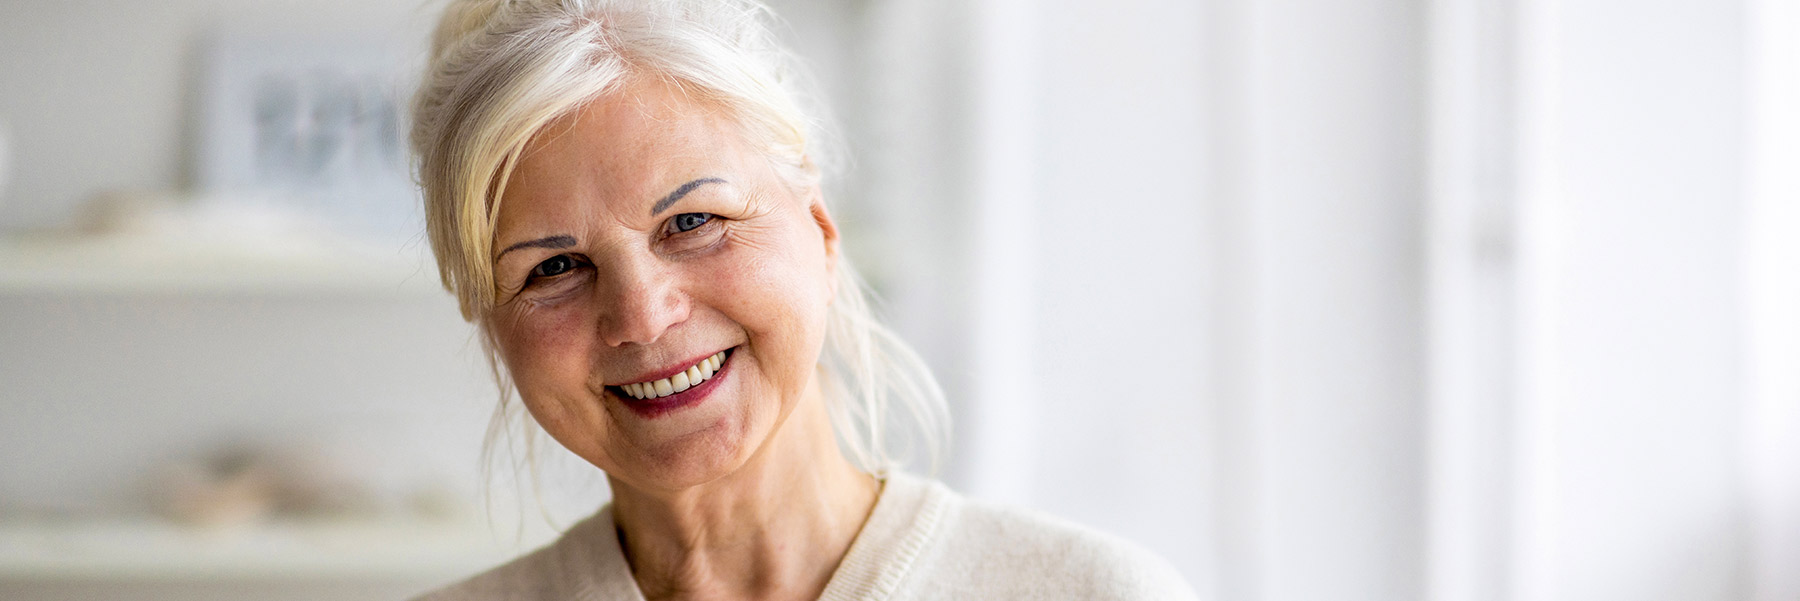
(312,124)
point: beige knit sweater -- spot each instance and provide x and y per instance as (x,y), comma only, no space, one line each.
(921,542)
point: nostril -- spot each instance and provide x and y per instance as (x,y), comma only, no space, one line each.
(638,296)
(641,321)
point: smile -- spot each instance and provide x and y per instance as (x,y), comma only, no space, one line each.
(693,376)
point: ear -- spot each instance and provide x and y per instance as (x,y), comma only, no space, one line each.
(828,232)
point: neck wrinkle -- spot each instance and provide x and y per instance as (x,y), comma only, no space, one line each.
(777,527)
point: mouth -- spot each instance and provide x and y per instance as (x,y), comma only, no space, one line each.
(687,387)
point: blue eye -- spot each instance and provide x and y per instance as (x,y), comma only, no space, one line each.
(688,221)
(553,266)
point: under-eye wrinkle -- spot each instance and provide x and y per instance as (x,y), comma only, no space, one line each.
(704,237)
(555,278)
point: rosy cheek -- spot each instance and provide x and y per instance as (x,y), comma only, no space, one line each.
(758,286)
(776,296)
(543,345)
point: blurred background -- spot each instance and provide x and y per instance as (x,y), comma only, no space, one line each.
(1459,300)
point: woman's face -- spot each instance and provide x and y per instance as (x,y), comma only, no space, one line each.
(640,238)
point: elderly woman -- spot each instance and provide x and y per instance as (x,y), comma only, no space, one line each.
(624,195)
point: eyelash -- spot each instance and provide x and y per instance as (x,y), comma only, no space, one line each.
(537,272)
(670,228)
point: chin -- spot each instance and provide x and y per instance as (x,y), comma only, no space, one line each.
(706,454)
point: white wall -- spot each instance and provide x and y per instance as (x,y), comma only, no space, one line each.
(1650,148)
(1617,169)
(1224,234)
(1771,284)
(1123,366)
(1320,171)
(1620,452)
(100,393)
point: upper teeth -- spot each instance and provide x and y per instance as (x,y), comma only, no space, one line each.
(693,376)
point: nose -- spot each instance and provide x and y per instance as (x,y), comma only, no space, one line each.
(639,300)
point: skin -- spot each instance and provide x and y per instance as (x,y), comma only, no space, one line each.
(742,496)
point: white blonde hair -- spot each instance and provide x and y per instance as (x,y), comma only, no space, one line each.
(500,70)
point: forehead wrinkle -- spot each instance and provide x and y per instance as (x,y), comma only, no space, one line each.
(678,132)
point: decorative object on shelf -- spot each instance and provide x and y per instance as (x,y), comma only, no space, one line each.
(233,489)
(244,485)
(313,122)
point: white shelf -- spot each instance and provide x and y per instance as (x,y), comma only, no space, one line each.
(121,264)
(146,548)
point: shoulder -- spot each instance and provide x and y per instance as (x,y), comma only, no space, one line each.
(525,577)
(1003,551)
(583,562)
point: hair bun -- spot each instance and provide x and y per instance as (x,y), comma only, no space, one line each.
(461,19)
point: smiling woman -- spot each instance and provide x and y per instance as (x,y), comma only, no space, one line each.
(675,242)
(624,197)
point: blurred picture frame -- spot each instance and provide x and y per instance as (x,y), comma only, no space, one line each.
(307,125)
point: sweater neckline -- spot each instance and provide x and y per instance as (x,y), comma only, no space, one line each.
(904,521)
(905,518)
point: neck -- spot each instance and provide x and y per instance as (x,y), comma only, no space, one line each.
(775,528)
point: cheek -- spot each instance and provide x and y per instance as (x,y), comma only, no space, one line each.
(776,284)
(543,346)
(779,294)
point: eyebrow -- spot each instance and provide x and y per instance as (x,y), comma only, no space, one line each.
(563,241)
(663,205)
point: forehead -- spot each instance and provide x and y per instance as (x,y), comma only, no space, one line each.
(622,150)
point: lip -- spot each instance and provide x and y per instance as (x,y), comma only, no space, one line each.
(660,406)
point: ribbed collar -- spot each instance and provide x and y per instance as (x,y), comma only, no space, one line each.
(905,519)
